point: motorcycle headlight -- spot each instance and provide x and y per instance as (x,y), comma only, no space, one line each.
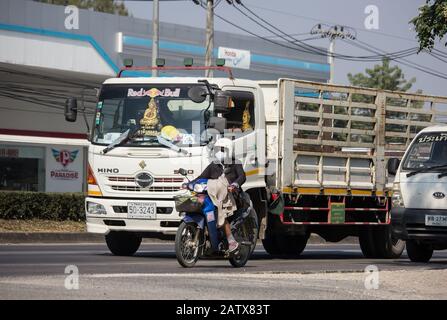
(95,208)
(397,200)
(199,188)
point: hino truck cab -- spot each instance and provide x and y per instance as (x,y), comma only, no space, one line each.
(144,130)
(419,213)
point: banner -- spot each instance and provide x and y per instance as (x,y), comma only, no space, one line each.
(64,169)
(235,58)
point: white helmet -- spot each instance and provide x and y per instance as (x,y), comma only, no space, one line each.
(223,149)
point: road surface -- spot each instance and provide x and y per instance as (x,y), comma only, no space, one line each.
(324,271)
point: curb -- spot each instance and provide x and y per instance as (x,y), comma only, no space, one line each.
(71,237)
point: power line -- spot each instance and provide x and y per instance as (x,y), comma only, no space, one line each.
(404,62)
(437,57)
(330,22)
(398,56)
(299,45)
(411,63)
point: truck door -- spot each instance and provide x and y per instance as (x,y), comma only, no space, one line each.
(242,124)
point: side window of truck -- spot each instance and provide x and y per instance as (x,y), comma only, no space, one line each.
(241,118)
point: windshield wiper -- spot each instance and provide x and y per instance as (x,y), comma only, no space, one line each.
(171,146)
(412,173)
(122,139)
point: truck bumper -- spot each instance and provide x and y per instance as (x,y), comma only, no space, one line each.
(115,218)
(409,224)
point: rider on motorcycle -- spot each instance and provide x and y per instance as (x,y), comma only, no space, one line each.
(225,164)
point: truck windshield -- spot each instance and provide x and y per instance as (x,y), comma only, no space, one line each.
(152,110)
(427,151)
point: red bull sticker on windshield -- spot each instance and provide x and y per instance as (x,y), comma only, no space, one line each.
(154,92)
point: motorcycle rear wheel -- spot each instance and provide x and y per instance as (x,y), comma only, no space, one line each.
(187,255)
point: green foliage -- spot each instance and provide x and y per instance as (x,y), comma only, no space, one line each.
(431,23)
(383,77)
(106,6)
(39,205)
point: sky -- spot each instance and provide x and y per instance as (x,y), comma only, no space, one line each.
(299,16)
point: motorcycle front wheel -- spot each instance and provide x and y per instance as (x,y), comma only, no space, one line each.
(239,259)
(186,248)
(245,233)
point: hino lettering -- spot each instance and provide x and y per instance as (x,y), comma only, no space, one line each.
(108,170)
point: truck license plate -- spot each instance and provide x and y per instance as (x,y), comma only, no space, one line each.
(142,210)
(432,220)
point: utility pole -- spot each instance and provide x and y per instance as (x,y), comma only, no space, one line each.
(333,32)
(331,60)
(209,45)
(155,36)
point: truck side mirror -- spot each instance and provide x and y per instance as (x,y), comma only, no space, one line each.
(183,172)
(222,102)
(71,109)
(197,94)
(392,166)
(218,123)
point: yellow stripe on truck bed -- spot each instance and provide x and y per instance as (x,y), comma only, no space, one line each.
(331,191)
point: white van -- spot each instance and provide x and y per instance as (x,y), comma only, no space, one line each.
(419,212)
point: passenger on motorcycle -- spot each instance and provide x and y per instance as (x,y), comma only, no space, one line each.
(225,165)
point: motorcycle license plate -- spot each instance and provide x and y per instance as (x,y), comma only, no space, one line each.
(142,210)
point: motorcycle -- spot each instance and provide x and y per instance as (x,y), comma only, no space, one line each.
(198,235)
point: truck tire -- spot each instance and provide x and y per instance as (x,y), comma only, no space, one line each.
(419,252)
(291,244)
(366,240)
(270,245)
(123,243)
(387,247)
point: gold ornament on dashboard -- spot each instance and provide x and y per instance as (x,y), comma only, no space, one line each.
(150,123)
(246,118)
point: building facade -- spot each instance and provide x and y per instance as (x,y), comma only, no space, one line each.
(49,53)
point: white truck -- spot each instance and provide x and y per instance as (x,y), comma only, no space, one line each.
(419,213)
(314,155)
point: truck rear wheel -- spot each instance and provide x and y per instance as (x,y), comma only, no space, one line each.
(378,243)
(387,246)
(366,241)
(123,243)
(419,252)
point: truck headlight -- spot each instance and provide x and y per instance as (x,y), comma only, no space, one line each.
(95,208)
(397,200)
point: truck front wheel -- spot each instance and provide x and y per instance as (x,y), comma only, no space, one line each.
(419,252)
(292,244)
(270,244)
(123,243)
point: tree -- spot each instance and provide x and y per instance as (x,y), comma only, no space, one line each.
(383,77)
(106,6)
(386,77)
(431,23)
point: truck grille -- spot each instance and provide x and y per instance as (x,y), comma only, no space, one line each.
(151,189)
(160,184)
(156,180)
